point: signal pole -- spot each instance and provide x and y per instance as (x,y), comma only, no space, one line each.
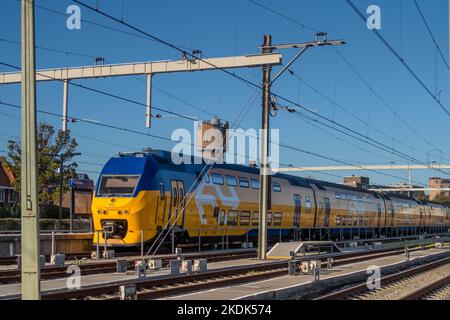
(29,187)
(264,154)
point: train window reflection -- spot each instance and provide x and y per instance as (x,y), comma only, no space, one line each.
(117,186)
(255,218)
(217,179)
(232,218)
(243,182)
(276,187)
(231,181)
(244,218)
(255,184)
(308,204)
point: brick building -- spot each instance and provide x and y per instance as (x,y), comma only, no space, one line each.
(7,194)
(435,182)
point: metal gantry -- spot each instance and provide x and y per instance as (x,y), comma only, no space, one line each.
(149,68)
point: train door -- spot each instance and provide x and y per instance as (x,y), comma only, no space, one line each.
(391,213)
(174,201)
(429,218)
(177,202)
(327,208)
(379,213)
(182,204)
(421,219)
(297,209)
(161,207)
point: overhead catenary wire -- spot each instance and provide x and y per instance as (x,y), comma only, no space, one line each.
(399,58)
(135,102)
(139,103)
(344,109)
(166,43)
(431,34)
(202,109)
(363,80)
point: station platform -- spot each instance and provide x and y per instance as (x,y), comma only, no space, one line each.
(64,242)
(291,287)
(12,291)
(283,250)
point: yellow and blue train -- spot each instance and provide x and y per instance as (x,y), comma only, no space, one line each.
(139,194)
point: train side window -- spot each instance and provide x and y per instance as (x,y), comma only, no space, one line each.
(162,192)
(269,218)
(343,196)
(222,218)
(216,213)
(308,204)
(243,182)
(175,196)
(181,197)
(232,217)
(231,181)
(276,187)
(206,178)
(244,219)
(255,183)
(255,218)
(217,179)
(338,195)
(277,218)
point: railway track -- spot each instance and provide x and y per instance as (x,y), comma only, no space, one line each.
(52,272)
(5,261)
(405,285)
(437,290)
(164,286)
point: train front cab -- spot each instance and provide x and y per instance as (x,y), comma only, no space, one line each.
(125,200)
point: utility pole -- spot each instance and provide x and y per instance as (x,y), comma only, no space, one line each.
(264,154)
(29,187)
(265,170)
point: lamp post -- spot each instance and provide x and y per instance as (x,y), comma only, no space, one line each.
(61,179)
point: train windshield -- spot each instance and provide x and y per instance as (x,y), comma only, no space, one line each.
(117,186)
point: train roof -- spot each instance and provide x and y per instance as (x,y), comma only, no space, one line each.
(164,160)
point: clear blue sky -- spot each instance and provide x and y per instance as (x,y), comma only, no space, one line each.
(226,28)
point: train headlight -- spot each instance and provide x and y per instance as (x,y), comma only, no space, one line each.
(126,212)
(99,212)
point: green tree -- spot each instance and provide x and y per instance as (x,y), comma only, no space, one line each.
(51,146)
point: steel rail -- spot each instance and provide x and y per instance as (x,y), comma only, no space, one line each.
(361,288)
(423,291)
